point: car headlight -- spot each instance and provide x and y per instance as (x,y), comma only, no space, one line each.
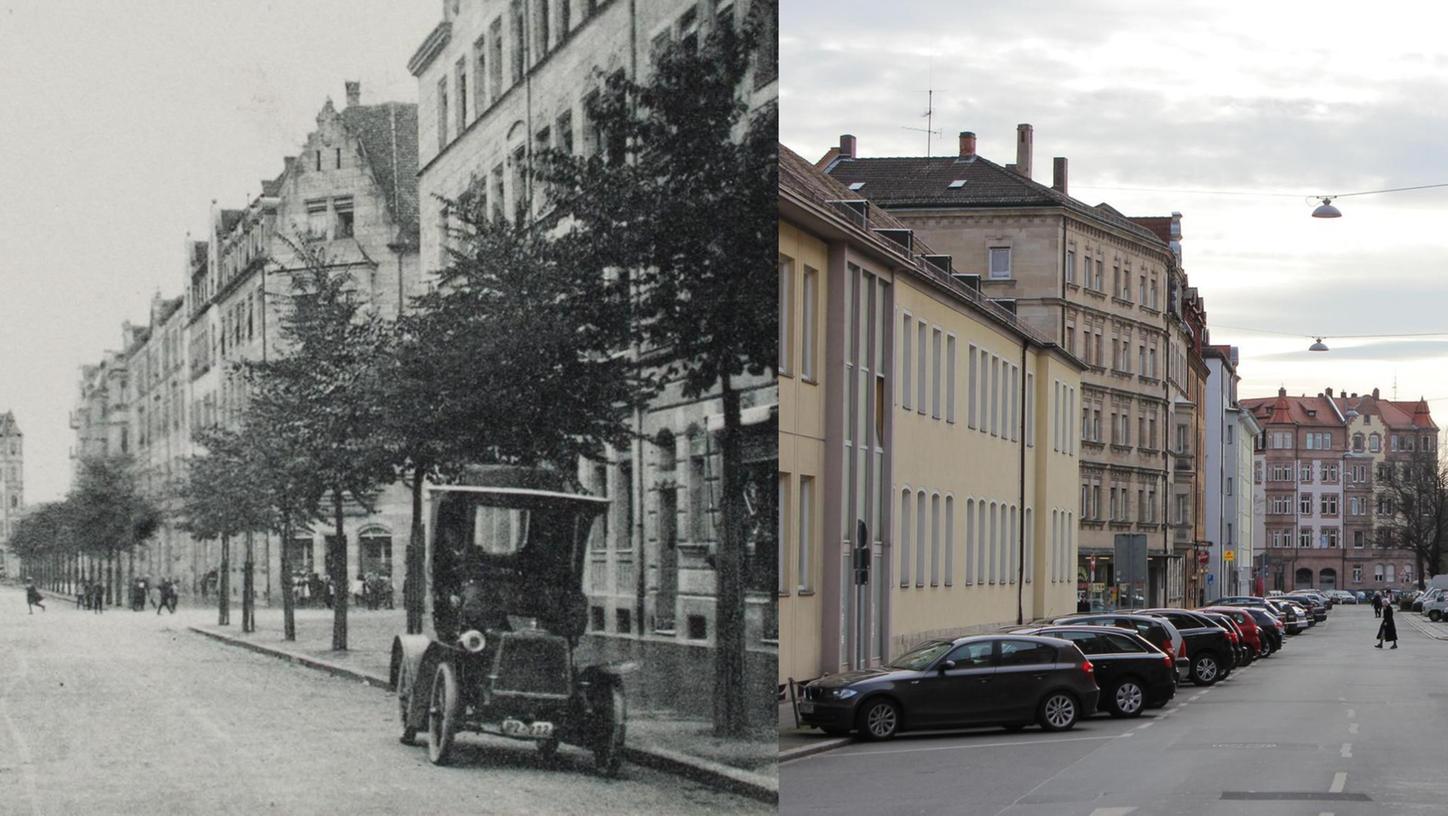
(845,693)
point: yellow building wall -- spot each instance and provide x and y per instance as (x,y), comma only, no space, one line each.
(1058,474)
(966,466)
(801,457)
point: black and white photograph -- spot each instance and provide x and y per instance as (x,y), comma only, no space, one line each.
(389,407)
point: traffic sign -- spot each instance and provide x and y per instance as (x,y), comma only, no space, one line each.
(1229,555)
(1203,558)
(1211,578)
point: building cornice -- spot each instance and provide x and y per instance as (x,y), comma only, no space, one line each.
(433,45)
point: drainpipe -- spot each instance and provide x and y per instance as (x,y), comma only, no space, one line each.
(1021,492)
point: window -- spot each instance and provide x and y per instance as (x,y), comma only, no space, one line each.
(342,206)
(970,385)
(950,378)
(441,114)
(1070,266)
(1304,537)
(786,315)
(1000,263)
(1304,505)
(920,538)
(317,218)
(935,540)
(1375,443)
(920,367)
(1030,410)
(1026,653)
(806,533)
(905,537)
(495,75)
(807,350)
(542,30)
(949,540)
(1357,574)
(480,73)
(461,70)
(519,43)
(905,338)
(1100,282)
(935,341)
(1378,572)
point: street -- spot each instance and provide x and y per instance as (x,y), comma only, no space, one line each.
(1329,725)
(128,713)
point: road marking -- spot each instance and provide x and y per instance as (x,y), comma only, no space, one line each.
(1352,728)
(1347,750)
(1339,781)
(1145,726)
(839,754)
(1351,712)
(1116,811)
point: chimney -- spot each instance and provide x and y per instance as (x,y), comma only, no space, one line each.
(1375,393)
(1329,392)
(1025,138)
(354,94)
(847,146)
(1058,175)
(967,145)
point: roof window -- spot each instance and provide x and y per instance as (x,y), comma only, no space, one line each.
(855,185)
(957,184)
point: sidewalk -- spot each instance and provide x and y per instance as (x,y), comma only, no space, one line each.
(658,739)
(796,742)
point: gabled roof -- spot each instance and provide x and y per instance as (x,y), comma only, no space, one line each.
(916,182)
(8,426)
(388,134)
(229,219)
(1313,412)
(796,173)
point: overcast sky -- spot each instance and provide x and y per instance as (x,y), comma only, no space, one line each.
(1282,98)
(121,122)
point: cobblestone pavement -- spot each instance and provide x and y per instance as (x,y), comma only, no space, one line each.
(128,713)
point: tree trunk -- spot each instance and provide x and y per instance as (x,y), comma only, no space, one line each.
(729,649)
(223,585)
(248,587)
(340,585)
(289,609)
(414,583)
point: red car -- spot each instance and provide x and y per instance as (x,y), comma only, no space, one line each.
(1251,632)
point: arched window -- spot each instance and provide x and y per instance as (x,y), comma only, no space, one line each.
(920,538)
(905,537)
(949,540)
(994,542)
(1375,443)
(668,456)
(375,548)
(982,542)
(1013,550)
(1357,442)
(1303,578)
(970,540)
(1327,578)
(935,540)
(1030,544)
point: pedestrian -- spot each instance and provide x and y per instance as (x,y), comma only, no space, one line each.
(1377,605)
(1387,630)
(98,597)
(172,595)
(33,598)
(359,588)
(163,596)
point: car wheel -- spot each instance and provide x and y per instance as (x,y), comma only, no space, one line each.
(1435,616)
(879,719)
(1205,670)
(608,750)
(1127,699)
(442,714)
(1058,712)
(404,703)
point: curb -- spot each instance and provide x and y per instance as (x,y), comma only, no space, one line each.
(714,774)
(1427,628)
(818,747)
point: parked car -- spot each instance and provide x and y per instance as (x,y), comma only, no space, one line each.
(978,680)
(1316,594)
(1157,630)
(1361,596)
(1281,613)
(1133,674)
(1208,647)
(1314,602)
(1434,603)
(1343,596)
(1294,616)
(1273,630)
(1242,654)
(1251,633)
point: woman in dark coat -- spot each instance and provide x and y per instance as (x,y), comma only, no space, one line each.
(1387,630)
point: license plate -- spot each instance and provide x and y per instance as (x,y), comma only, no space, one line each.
(806,707)
(542,729)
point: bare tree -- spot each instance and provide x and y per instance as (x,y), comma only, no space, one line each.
(1412,498)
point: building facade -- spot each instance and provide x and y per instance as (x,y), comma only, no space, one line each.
(1229,505)
(498,82)
(12,488)
(1320,464)
(896,371)
(1086,277)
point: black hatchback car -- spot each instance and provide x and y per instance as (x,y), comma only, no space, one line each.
(1009,680)
(1208,647)
(1133,674)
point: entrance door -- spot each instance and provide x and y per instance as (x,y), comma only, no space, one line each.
(1303,579)
(1327,578)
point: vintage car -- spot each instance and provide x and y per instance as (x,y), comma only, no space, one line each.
(502,590)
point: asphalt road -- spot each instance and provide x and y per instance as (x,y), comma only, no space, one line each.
(129,713)
(1330,725)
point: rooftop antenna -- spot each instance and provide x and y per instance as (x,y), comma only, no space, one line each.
(929,114)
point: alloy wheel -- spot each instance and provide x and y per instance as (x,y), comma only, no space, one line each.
(1206,670)
(882,720)
(1129,698)
(1059,712)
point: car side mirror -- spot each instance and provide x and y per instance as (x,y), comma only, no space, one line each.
(946,665)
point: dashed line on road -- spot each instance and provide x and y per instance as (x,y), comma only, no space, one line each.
(1347,750)
(1351,712)
(1339,782)
(1352,728)
(1113,811)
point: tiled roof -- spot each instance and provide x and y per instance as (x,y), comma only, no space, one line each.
(8,427)
(229,219)
(388,133)
(810,182)
(1288,409)
(911,182)
(1394,414)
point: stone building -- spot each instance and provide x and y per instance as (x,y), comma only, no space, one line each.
(1096,282)
(497,82)
(12,488)
(1320,462)
(895,369)
(1231,432)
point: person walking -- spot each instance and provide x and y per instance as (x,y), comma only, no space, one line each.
(1377,605)
(33,597)
(172,595)
(1387,630)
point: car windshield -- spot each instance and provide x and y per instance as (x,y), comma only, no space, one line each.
(921,656)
